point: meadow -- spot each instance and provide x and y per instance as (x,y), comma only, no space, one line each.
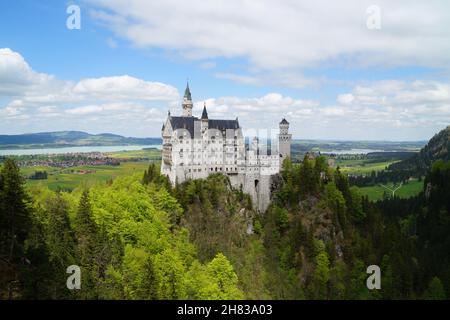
(71,178)
(363,166)
(376,192)
(407,190)
(151,154)
(87,175)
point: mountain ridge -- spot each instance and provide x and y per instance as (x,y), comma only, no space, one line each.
(437,148)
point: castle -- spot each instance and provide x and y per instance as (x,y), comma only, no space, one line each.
(195,147)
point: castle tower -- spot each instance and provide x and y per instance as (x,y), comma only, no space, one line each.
(187,102)
(284,140)
(255,145)
(204,119)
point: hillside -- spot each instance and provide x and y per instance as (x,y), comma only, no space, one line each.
(69,138)
(438,148)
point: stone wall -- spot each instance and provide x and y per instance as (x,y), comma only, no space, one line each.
(257,186)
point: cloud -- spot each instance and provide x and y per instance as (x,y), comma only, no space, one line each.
(282,36)
(208,65)
(111,43)
(124,87)
(17,76)
(391,109)
(31,98)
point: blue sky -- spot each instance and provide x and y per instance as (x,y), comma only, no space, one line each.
(330,74)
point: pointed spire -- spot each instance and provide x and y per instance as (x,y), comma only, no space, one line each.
(187,92)
(204,113)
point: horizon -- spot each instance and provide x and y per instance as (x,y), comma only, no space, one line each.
(158,137)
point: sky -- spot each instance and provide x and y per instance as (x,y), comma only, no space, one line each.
(350,70)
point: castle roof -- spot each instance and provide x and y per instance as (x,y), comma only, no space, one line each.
(188,124)
(183,123)
(284,121)
(204,113)
(223,124)
(187,92)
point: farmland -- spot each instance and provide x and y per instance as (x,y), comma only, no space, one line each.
(71,178)
(407,190)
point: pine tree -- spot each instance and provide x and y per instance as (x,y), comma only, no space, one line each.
(86,236)
(15,224)
(60,237)
(60,243)
(15,214)
(435,290)
(150,282)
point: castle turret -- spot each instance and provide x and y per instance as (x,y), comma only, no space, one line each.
(284,140)
(187,102)
(204,119)
(255,145)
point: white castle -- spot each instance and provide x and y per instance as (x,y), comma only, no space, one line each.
(195,147)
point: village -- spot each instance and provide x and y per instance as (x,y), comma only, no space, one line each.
(68,160)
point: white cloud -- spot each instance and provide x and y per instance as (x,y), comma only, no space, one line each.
(208,65)
(394,110)
(17,76)
(281,36)
(101,103)
(111,43)
(124,87)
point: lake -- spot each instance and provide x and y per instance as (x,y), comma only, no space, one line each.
(22,152)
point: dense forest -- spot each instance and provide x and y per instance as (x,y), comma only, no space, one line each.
(139,238)
(438,148)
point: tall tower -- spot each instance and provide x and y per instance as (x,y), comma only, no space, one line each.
(187,102)
(284,140)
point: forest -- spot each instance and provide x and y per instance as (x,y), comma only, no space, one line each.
(137,237)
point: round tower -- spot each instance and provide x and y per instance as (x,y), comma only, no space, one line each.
(187,102)
(284,140)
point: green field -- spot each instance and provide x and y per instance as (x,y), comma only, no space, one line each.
(407,190)
(153,154)
(69,179)
(362,167)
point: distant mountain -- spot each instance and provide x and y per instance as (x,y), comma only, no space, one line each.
(70,138)
(438,148)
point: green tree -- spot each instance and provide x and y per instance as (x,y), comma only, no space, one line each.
(321,271)
(222,280)
(86,237)
(60,242)
(15,224)
(435,290)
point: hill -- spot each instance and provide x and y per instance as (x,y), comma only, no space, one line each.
(438,148)
(68,139)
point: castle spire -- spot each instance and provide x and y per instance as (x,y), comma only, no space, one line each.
(204,113)
(187,102)
(187,92)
